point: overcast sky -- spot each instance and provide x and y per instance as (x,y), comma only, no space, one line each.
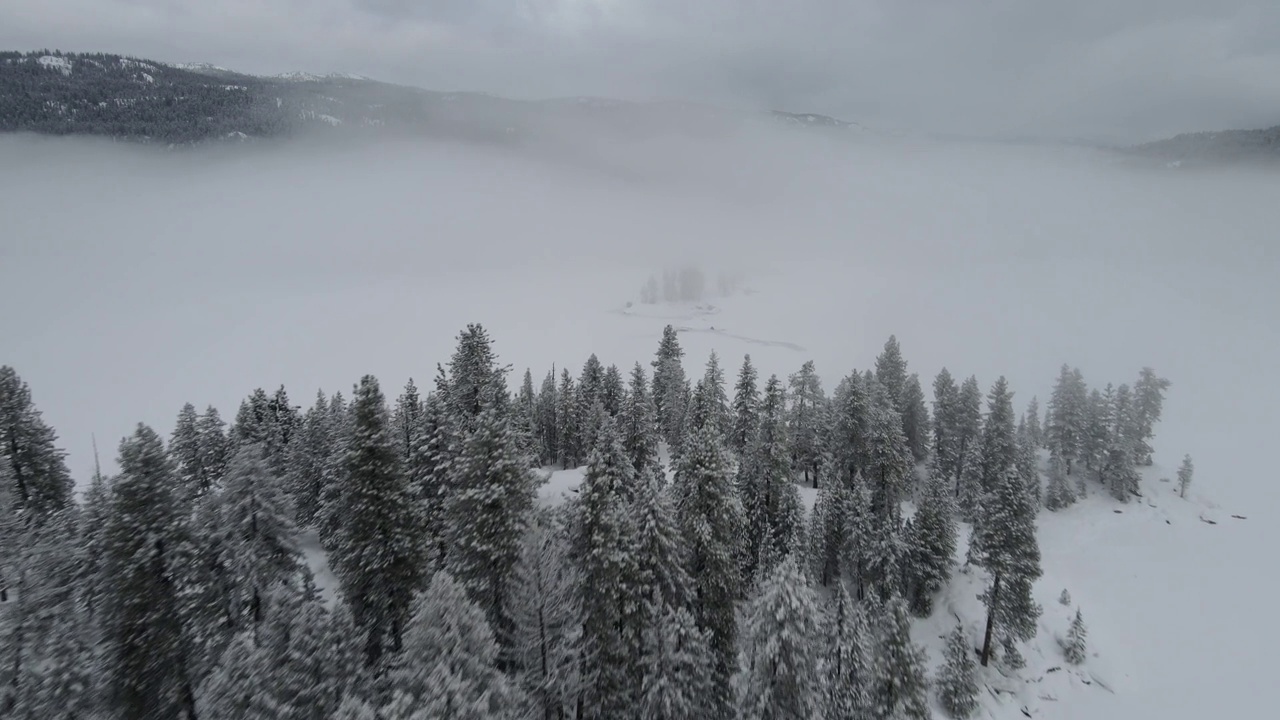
(1097,69)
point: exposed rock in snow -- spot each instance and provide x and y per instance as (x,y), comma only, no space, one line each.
(53,62)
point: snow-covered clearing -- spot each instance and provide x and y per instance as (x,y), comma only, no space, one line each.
(196,279)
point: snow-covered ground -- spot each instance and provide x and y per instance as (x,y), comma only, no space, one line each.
(196,279)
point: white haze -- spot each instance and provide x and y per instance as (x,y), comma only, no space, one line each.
(134,281)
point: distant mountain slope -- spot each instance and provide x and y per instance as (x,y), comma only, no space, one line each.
(1213,148)
(129,98)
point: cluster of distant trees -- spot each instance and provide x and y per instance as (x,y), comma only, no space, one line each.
(683,579)
(687,284)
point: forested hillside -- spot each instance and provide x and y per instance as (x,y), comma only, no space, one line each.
(119,97)
(684,577)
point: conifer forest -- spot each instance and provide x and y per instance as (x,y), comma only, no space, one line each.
(389,552)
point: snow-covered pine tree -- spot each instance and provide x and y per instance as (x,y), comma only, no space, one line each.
(251,423)
(547,619)
(240,686)
(850,648)
(568,423)
(491,493)
(677,668)
(590,391)
(184,450)
(612,391)
(846,442)
(214,447)
(889,465)
(258,539)
(37,468)
(968,435)
(475,382)
(710,406)
(709,514)
(310,463)
(1119,472)
(547,424)
(146,656)
(1185,472)
(898,684)
(526,418)
(405,420)
(891,372)
(1067,421)
(377,551)
(957,682)
(669,386)
(639,423)
(282,423)
(807,422)
(1075,648)
(770,500)
(915,419)
(999,442)
(330,510)
(780,670)
(1004,543)
(745,408)
(429,468)
(1148,402)
(946,417)
(603,545)
(931,544)
(307,672)
(1027,462)
(449,665)
(1034,427)
(660,556)
(830,534)
(1058,493)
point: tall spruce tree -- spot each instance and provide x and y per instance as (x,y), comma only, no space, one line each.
(37,468)
(780,671)
(1027,462)
(669,386)
(214,447)
(603,537)
(184,450)
(1004,544)
(849,653)
(946,420)
(1066,424)
(429,470)
(148,658)
(830,534)
(999,441)
(709,514)
(770,500)
(406,420)
(568,423)
(969,444)
(1034,427)
(898,685)
(915,419)
(547,424)
(931,545)
(1058,493)
(957,680)
(475,382)
(808,422)
(660,555)
(640,424)
(745,407)
(1076,648)
(891,372)
(1148,402)
(677,681)
(612,391)
(312,462)
(377,551)
(546,616)
(847,430)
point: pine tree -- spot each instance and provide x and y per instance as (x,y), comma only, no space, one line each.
(889,464)
(770,500)
(898,684)
(1075,648)
(547,423)
(547,618)
(999,441)
(1027,463)
(568,428)
(915,419)
(37,468)
(830,534)
(282,424)
(780,668)
(257,537)
(931,545)
(710,517)
(307,670)
(849,660)
(1066,425)
(745,408)
(526,419)
(377,551)
(475,381)
(214,448)
(957,681)
(590,393)
(603,539)
(147,656)
(449,665)
(669,386)
(1058,493)
(406,419)
(240,686)
(612,391)
(1148,402)
(847,431)
(492,491)
(1032,418)
(311,461)
(429,470)
(807,421)
(969,433)
(946,421)
(677,668)
(1185,472)
(251,423)
(891,372)
(184,450)
(640,424)
(1004,543)
(710,405)
(659,550)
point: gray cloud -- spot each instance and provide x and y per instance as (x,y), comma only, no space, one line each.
(1107,69)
